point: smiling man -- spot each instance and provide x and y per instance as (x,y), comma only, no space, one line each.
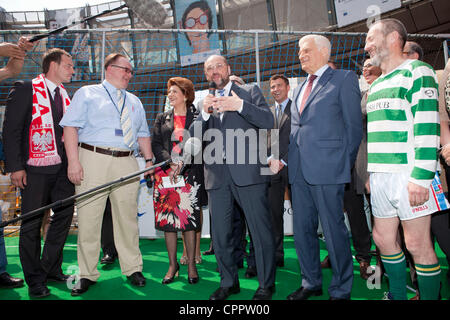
(36,158)
(103,129)
(403,140)
(326,131)
(229,179)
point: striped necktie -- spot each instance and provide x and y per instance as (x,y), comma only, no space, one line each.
(125,121)
(221,92)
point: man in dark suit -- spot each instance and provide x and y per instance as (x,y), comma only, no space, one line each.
(233,173)
(36,158)
(278,142)
(326,131)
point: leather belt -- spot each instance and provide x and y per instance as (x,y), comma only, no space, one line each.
(114,153)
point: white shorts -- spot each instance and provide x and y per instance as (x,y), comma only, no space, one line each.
(389,197)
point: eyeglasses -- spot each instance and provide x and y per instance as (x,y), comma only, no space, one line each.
(127,70)
(213,67)
(190,22)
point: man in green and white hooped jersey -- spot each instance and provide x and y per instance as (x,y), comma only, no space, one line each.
(403,141)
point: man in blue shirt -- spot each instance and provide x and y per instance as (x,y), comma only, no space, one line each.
(103,128)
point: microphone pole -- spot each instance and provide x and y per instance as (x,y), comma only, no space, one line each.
(61,202)
(45,35)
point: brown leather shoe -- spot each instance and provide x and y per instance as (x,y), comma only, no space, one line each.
(365,270)
(326,264)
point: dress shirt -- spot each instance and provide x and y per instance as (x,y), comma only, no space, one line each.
(282,108)
(318,73)
(283,105)
(95,111)
(51,86)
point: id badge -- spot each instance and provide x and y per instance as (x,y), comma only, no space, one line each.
(119,132)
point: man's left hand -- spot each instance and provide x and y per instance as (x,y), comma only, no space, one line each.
(418,195)
(275,165)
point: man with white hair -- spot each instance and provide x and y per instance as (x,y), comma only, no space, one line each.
(326,131)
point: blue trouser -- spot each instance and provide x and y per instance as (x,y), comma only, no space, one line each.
(325,201)
(3,260)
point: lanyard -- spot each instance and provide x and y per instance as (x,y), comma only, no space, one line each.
(117,108)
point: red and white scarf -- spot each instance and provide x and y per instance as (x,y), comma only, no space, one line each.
(43,151)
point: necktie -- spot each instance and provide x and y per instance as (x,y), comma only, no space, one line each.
(125,121)
(58,102)
(278,114)
(307,92)
(221,92)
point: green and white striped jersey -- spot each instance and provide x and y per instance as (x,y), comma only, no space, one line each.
(403,122)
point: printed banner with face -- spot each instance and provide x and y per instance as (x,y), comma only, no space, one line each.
(195,47)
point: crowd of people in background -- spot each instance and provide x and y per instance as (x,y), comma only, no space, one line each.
(331,147)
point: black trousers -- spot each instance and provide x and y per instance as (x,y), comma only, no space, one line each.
(253,200)
(354,205)
(41,190)
(107,238)
(277,187)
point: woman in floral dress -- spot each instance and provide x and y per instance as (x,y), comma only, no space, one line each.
(177,208)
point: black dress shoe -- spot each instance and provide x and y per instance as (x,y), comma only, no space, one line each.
(224,292)
(137,279)
(108,258)
(6,281)
(303,294)
(264,293)
(193,280)
(57,278)
(170,279)
(39,291)
(250,272)
(208,252)
(334,298)
(82,286)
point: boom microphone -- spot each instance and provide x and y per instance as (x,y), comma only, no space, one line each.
(45,35)
(61,202)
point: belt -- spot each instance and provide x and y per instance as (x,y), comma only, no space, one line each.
(114,153)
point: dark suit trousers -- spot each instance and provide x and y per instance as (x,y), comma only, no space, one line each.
(41,190)
(253,200)
(325,201)
(277,187)
(354,205)
(107,239)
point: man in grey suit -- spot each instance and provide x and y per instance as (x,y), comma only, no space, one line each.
(326,131)
(233,173)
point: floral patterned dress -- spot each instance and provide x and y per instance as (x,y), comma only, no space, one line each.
(176,209)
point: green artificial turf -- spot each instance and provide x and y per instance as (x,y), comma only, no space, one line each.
(112,285)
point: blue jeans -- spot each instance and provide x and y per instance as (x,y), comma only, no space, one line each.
(3,260)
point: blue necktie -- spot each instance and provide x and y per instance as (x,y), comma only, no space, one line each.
(221,92)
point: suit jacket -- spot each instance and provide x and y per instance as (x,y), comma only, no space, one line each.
(245,162)
(16,129)
(283,137)
(325,138)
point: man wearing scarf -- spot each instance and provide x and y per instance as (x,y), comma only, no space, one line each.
(36,159)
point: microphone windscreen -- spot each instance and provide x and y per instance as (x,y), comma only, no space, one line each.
(151,12)
(192,146)
(212,85)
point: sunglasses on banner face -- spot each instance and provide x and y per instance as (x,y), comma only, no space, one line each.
(190,22)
